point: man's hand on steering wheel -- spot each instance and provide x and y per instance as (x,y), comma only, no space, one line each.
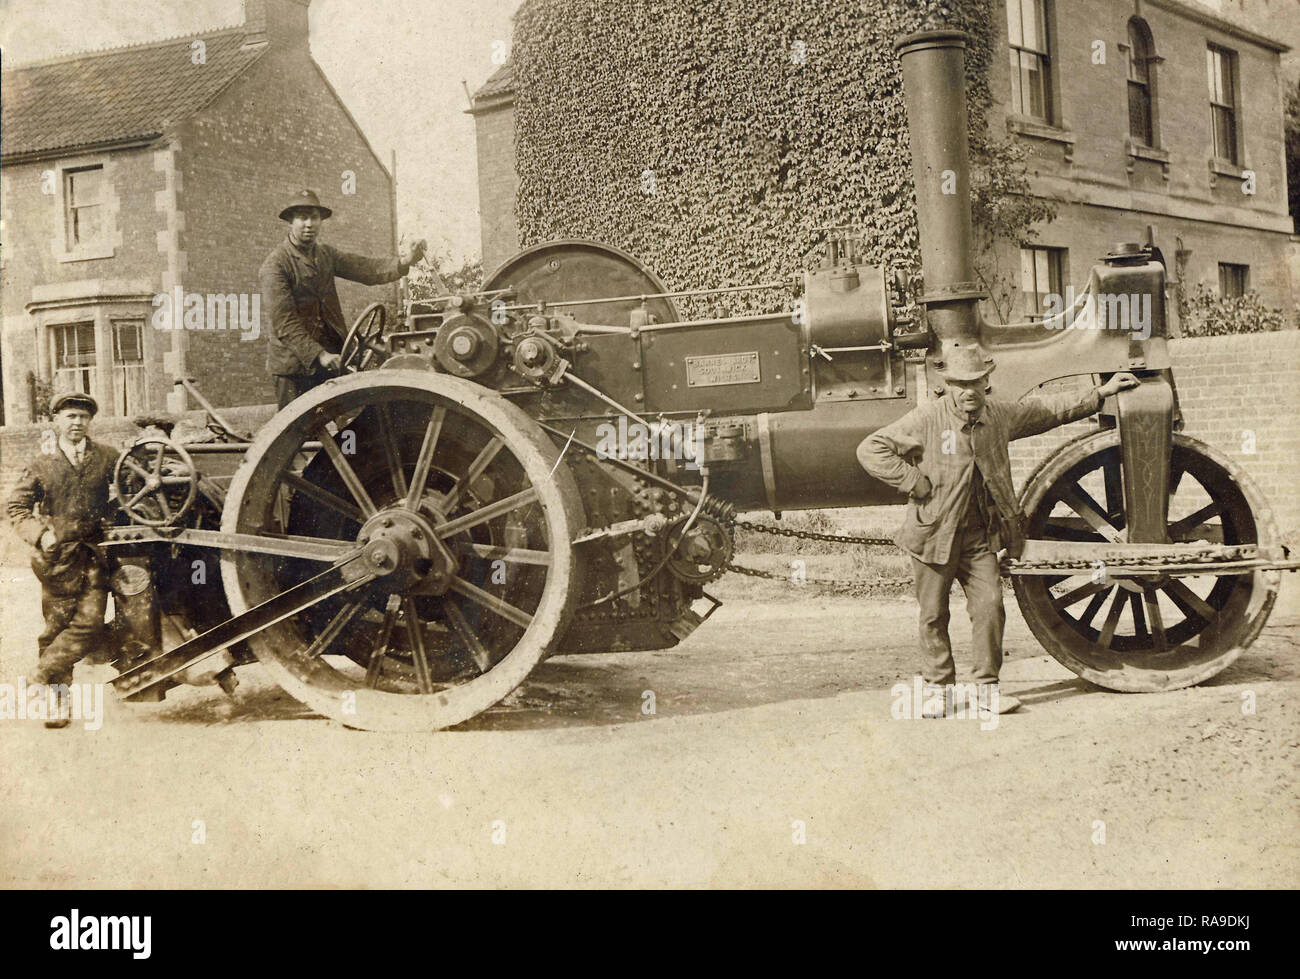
(363,340)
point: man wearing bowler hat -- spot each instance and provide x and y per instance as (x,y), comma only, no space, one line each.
(59,507)
(950,456)
(307,327)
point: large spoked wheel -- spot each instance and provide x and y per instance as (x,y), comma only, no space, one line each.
(454,496)
(1145,634)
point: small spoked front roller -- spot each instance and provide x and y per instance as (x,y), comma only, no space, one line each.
(464,516)
(1142,633)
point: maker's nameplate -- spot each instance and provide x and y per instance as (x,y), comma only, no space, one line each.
(719,369)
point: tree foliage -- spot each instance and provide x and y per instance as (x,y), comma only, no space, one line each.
(714,140)
(439,277)
(1004,212)
(41,390)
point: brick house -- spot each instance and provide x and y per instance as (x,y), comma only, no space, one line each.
(138,172)
(494,135)
(1180,128)
(1166,131)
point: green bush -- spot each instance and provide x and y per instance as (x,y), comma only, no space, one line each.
(1210,315)
(713,140)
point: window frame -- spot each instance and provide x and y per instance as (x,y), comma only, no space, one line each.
(128,379)
(89,372)
(1230,88)
(1139,30)
(1230,270)
(1058,268)
(72,209)
(61,304)
(1018,50)
(66,249)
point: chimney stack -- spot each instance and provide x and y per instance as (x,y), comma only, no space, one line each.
(934,86)
(281,22)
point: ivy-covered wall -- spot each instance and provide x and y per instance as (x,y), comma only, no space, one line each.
(713,139)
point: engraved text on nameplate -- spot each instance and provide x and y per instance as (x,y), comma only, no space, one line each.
(718,369)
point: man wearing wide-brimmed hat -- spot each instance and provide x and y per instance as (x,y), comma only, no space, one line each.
(950,456)
(59,507)
(307,326)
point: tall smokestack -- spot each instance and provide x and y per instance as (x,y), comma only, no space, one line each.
(934,86)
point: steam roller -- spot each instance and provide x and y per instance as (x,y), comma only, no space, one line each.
(555,463)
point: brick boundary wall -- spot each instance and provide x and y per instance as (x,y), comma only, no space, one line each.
(20,442)
(1230,389)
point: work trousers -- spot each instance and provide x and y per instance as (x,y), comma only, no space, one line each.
(74,627)
(290,386)
(975,566)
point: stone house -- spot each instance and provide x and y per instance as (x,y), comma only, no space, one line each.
(141,178)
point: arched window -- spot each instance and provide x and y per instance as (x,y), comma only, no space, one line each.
(1141,83)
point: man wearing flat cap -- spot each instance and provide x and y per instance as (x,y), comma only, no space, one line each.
(950,456)
(307,326)
(59,507)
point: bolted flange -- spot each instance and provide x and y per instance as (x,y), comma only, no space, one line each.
(402,547)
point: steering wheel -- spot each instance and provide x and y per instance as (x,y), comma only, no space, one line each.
(362,342)
(156,481)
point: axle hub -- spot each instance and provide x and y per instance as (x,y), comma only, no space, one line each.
(403,548)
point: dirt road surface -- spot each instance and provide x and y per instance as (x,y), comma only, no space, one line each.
(771,759)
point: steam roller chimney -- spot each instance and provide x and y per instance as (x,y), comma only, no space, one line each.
(934,87)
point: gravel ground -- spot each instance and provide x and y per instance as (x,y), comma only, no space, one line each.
(772,725)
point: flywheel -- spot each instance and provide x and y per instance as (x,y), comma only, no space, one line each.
(561,273)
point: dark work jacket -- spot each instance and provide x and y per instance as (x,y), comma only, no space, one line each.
(73,503)
(298,294)
(900,453)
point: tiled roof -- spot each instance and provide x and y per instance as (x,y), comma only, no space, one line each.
(119,94)
(502,82)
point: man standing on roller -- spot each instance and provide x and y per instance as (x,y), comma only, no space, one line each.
(307,327)
(950,456)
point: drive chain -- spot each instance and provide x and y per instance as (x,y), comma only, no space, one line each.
(1209,558)
(811,534)
(843,583)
